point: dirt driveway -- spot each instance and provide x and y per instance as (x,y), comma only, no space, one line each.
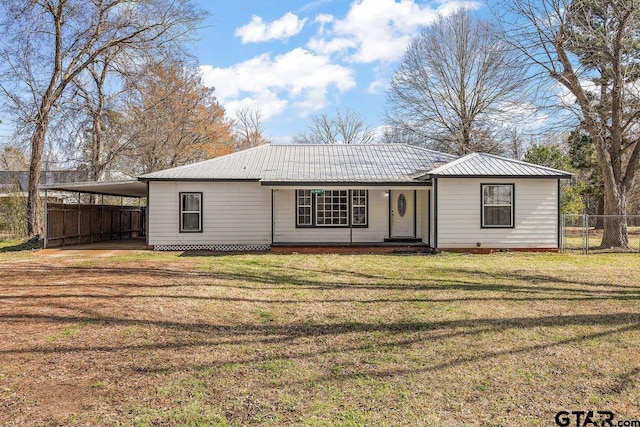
(49,303)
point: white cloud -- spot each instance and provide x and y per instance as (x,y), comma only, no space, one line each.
(522,116)
(297,79)
(257,31)
(266,102)
(379,30)
(378,86)
(314,5)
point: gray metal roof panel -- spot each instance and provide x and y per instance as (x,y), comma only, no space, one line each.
(308,163)
(482,164)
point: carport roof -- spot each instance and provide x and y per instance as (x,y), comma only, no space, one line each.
(129,188)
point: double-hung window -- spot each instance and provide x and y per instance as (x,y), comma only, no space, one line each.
(497,205)
(359,207)
(304,208)
(190,212)
(331,208)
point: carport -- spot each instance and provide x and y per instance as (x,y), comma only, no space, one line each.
(88,212)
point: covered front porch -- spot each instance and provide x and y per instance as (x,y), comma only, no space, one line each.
(384,217)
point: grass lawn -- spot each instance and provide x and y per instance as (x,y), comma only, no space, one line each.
(348,340)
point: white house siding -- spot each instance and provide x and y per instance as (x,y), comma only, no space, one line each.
(234,213)
(422,216)
(285,230)
(536,214)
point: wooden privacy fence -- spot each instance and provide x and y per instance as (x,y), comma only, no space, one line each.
(75,224)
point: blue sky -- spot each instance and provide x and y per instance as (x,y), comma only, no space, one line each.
(295,59)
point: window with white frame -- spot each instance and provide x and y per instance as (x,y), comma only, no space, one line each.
(331,208)
(304,207)
(359,207)
(190,212)
(497,205)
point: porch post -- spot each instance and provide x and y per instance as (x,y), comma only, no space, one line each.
(350,217)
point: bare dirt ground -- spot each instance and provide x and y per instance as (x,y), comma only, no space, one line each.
(45,303)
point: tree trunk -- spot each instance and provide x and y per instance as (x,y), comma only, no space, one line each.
(600,214)
(615,220)
(35,225)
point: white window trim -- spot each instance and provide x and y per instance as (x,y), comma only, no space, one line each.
(510,205)
(182,212)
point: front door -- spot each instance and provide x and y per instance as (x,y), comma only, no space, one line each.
(402,214)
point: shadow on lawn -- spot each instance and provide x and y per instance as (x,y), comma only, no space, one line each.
(583,295)
(288,341)
(23,246)
(281,333)
(522,286)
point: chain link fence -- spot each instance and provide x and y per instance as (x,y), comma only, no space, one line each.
(600,233)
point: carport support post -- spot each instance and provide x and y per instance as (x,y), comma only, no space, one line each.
(120,218)
(46,218)
(78,218)
(101,217)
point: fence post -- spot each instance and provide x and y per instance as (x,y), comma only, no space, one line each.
(562,226)
(585,231)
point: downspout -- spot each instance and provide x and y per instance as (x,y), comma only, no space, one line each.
(273,219)
(429,217)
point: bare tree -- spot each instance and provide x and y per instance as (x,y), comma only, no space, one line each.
(47,44)
(456,80)
(344,128)
(174,119)
(13,159)
(100,147)
(589,48)
(248,130)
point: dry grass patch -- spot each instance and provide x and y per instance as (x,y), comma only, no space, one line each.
(172,339)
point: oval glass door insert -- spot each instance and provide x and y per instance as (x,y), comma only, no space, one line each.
(402,205)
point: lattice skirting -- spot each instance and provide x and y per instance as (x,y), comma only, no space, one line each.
(216,248)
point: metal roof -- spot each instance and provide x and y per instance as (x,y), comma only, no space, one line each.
(128,188)
(482,164)
(297,163)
